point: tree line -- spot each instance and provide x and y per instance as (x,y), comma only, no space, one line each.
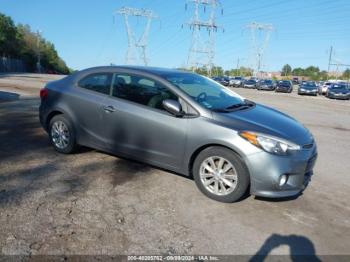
(20,42)
(219,71)
(312,72)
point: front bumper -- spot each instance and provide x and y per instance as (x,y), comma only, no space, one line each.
(313,92)
(267,88)
(282,90)
(339,96)
(266,169)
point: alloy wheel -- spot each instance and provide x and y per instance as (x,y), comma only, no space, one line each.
(60,134)
(218,175)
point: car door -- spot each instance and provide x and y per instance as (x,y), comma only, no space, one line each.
(139,127)
(87,101)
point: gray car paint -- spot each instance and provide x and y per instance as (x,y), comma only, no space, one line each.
(161,139)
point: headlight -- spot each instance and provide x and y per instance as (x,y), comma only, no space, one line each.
(270,144)
(302,89)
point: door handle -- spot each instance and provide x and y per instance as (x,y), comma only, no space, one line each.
(109,109)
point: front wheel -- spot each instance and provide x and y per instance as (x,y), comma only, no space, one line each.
(220,174)
(62,135)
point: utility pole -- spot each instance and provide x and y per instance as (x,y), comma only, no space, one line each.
(136,44)
(259,47)
(202,52)
(38,64)
(329,61)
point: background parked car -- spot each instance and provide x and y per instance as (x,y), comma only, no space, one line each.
(295,80)
(309,88)
(237,81)
(222,80)
(284,86)
(251,83)
(338,91)
(266,84)
(322,90)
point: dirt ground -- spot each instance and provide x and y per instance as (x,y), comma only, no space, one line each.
(94,203)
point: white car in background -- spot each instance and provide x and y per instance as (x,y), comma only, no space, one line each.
(236,81)
(322,90)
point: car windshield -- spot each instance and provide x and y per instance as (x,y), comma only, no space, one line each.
(338,87)
(267,82)
(284,83)
(203,90)
(238,78)
(309,85)
(250,82)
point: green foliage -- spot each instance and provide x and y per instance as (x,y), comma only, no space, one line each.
(298,71)
(311,72)
(242,71)
(219,71)
(346,74)
(9,37)
(286,70)
(20,42)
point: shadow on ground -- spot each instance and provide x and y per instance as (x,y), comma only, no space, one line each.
(300,248)
(8,96)
(29,166)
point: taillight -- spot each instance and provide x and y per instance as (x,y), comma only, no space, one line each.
(44,93)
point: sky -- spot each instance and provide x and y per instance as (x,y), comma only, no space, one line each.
(86,33)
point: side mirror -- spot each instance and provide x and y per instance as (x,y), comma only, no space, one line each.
(173,107)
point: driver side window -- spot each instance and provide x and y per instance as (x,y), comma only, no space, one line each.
(141,90)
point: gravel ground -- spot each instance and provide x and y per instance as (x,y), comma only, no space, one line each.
(93,203)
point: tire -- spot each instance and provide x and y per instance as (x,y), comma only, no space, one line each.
(237,175)
(67,143)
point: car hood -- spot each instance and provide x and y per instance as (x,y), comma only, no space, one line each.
(266,120)
(340,91)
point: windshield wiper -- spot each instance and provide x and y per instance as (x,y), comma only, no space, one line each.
(241,106)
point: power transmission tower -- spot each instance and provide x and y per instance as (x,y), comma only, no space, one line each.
(202,50)
(338,64)
(137,45)
(330,60)
(334,62)
(260,36)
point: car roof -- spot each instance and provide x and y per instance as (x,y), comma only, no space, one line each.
(145,69)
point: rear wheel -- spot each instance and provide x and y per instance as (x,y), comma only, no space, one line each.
(62,135)
(220,174)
